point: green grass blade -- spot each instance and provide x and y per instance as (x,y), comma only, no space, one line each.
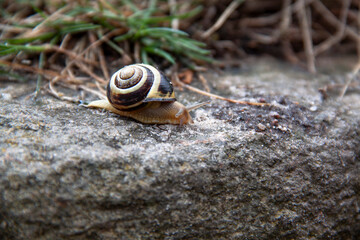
(14,49)
(160,31)
(158,20)
(131,5)
(161,53)
(79,10)
(103,22)
(200,57)
(39,11)
(124,37)
(151,9)
(188,44)
(107,5)
(191,13)
(185,44)
(144,56)
(113,16)
(115,47)
(162,19)
(112,44)
(196,43)
(42,37)
(80,27)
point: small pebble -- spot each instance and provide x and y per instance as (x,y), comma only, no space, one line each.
(283,129)
(275,115)
(313,108)
(6,96)
(261,127)
(262,100)
(275,122)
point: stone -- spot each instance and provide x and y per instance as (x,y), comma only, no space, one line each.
(68,172)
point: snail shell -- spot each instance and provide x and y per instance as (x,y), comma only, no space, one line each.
(142,92)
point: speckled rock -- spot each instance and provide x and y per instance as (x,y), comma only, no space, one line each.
(288,171)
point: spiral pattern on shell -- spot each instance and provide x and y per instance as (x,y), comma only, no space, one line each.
(134,85)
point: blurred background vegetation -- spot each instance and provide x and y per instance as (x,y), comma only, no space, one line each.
(79,43)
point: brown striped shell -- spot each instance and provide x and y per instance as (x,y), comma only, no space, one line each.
(143,93)
(135,85)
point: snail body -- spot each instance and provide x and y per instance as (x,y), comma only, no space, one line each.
(142,92)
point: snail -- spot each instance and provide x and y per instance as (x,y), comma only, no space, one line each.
(142,92)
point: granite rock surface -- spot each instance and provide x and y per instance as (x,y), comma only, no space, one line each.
(286,171)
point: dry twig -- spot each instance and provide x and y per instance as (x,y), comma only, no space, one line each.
(332,40)
(284,25)
(230,9)
(307,39)
(357,67)
(331,19)
(36,70)
(204,82)
(176,81)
